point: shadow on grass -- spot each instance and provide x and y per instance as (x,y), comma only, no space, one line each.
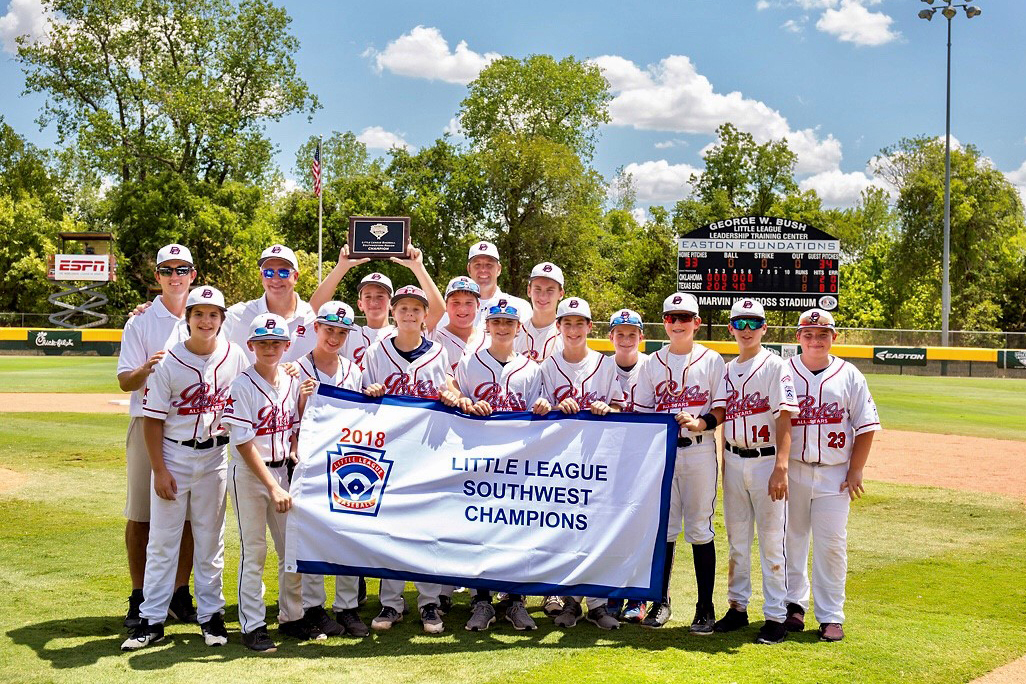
(70,643)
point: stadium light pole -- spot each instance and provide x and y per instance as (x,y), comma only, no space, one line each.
(948,11)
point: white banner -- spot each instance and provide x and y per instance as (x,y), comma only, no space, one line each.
(408,489)
(82,267)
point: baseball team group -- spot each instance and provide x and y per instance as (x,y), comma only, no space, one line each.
(218,394)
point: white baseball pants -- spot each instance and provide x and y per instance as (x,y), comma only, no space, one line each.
(816,506)
(391,593)
(693,494)
(347,589)
(747,508)
(256,514)
(200,476)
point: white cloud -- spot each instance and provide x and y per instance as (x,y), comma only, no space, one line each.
(839,189)
(853,23)
(762,4)
(793,26)
(24,17)
(1018,179)
(377,138)
(640,214)
(424,53)
(455,128)
(667,144)
(660,181)
(673,96)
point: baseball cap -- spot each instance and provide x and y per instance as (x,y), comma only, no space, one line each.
(626,317)
(483,249)
(747,308)
(574,306)
(174,251)
(206,295)
(503,309)
(681,301)
(463,284)
(379,279)
(337,314)
(279,252)
(548,270)
(411,291)
(816,318)
(267,326)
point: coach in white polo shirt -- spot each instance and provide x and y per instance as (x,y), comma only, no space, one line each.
(143,343)
(279,271)
(484,267)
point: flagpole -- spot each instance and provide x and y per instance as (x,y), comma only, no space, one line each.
(320,215)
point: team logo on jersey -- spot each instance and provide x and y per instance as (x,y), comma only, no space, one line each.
(301,330)
(357,476)
(271,420)
(499,401)
(402,383)
(669,395)
(749,404)
(200,398)
(809,413)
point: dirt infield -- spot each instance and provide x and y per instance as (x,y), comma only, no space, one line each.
(63,403)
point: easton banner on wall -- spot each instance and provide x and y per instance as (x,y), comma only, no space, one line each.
(409,489)
(899,356)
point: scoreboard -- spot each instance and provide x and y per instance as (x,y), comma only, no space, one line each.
(784,264)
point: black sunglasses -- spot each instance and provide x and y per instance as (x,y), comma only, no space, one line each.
(177,270)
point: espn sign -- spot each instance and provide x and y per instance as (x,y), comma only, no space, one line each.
(82,267)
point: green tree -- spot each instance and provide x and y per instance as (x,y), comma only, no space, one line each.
(168,86)
(342,156)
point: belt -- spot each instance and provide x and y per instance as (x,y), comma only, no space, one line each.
(205,444)
(688,441)
(276,464)
(752,453)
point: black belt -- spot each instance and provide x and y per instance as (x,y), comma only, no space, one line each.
(688,441)
(752,453)
(276,464)
(205,444)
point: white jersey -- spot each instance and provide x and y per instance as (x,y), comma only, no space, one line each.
(189,392)
(455,347)
(834,407)
(628,380)
(537,343)
(587,381)
(361,339)
(423,377)
(671,383)
(145,335)
(240,316)
(513,386)
(753,394)
(263,414)
(522,306)
(347,376)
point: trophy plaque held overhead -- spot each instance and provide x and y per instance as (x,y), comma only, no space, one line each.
(378,237)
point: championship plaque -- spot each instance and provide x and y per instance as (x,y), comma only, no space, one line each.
(378,237)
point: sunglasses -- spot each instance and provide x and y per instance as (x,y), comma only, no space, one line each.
(281,272)
(503,309)
(678,318)
(335,318)
(269,331)
(177,270)
(747,323)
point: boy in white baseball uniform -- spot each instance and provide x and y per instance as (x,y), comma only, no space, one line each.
(581,379)
(538,337)
(461,334)
(831,437)
(627,332)
(682,379)
(409,364)
(758,394)
(498,379)
(264,418)
(333,327)
(144,342)
(184,400)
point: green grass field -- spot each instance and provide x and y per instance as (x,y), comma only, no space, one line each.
(60,374)
(935,591)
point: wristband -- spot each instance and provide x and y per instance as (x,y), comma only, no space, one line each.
(710,421)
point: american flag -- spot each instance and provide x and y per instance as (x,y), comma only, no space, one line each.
(316,168)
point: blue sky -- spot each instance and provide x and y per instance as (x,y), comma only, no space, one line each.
(839,78)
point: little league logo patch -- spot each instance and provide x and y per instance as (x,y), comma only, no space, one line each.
(379,230)
(357,477)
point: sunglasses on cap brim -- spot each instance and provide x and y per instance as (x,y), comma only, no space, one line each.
(335,318)
(261,332)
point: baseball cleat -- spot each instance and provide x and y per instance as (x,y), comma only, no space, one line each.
(518,616)
(552,605)
(734,619)
(320,619)
(659,614)
(482,616)
(831,631)
(132,618)
(259,640)
(601,618)
(181,607)
(634,612)
(350,620)
(772,632)
(143,635)
(567,617)
(431,620)
(361,591)
(795,621)
(705,618)
(444,605)
(214,632)
(385,619)
(301,629)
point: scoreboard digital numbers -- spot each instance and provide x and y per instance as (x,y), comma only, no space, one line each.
(784,264)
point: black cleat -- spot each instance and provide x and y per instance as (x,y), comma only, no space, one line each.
(181,608)
(734,619)
(132,617)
